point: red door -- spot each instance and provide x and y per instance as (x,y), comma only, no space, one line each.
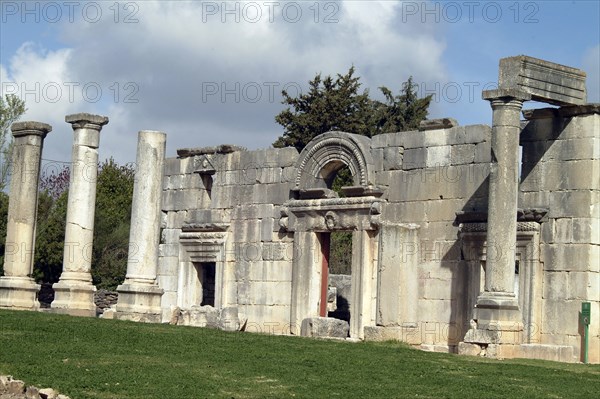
(325,239)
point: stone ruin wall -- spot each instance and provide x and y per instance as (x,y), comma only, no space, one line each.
(429,179)
(442,172)
(561,169)
(248,188)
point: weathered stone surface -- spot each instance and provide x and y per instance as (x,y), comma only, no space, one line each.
(140,293)
(465,348)
(74,293)
(545,81)
(443,123)
(48,393)
(17,288)
(229,319)
(32,393)
(325,327)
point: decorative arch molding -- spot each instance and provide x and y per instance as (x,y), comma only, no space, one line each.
(326,152)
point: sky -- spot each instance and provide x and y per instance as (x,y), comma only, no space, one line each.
(211,72)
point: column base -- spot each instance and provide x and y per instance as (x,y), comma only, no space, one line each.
(498,328)
(498,311)
(74,298)
(139,302)
(19,293)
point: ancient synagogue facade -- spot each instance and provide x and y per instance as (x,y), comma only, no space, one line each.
(471,239)
(464,238)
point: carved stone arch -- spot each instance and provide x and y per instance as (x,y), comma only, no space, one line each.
(327,153)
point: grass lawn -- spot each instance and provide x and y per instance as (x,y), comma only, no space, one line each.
(94,358)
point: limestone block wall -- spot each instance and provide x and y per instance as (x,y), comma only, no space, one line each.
(429,176)
(237,195)
(230,207)
(561,172)
(182,190)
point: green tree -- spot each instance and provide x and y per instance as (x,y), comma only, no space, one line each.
(401,112)
(11,109)
(114,193)
(50,236)
(3,221)
(337,104)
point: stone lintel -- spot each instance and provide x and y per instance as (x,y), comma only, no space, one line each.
(435,124)
(203,246)
(201,227)
(362,191)
(562,112)
(505,93)
(220,149)
(545,81)
(540,113)
(85,118)
(314,193)
(331,204)
(523,215)
(29,128)
(332,214)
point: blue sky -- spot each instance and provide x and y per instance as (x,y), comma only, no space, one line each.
(208,72)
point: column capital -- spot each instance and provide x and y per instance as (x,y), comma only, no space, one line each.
(30,128)
(86,121)
(509,94)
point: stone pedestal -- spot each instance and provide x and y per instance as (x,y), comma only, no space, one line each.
(17,289)
(139,295)
(74,293)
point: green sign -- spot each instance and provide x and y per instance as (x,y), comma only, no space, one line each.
(586,312)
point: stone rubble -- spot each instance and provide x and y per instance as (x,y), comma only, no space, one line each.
(16,389)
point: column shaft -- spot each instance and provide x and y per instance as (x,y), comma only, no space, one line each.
(74,293)
(139,295)
(498,305)
(17,288)
(503,196)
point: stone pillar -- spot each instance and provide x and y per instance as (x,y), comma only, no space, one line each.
(74,293)
(139,295)
(398,282)
(306,278)
(17,289)
(498,304)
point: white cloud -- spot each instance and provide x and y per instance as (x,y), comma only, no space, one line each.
(42,79)
(178,50)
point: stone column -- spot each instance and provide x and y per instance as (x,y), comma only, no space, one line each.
(139,295)
(74,293)
(17,289)
(498,304)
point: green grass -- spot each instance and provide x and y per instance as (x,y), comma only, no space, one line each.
(93,358)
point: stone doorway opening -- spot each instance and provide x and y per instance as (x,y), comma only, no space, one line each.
(338,256)
(324,207)
(207,274)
